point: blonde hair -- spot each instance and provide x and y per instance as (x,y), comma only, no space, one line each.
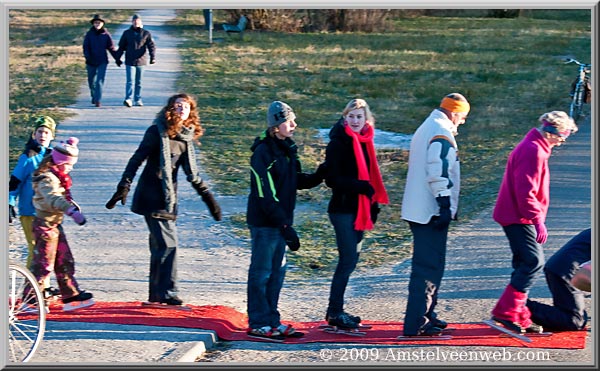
(360,103)
(560,120)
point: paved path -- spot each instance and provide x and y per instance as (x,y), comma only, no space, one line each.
(111,250)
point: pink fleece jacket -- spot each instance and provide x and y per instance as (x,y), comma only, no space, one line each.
(524,194)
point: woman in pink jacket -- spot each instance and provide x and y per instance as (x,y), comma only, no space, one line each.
(521,210)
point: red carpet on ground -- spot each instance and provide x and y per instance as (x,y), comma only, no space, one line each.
(230,325)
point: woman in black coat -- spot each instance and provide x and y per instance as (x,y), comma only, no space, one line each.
(167,146)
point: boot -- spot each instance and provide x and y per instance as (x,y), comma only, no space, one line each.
(509,310)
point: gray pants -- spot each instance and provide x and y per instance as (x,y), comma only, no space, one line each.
(163,262)
(427,270)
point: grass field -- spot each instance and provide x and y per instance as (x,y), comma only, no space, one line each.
(510,69)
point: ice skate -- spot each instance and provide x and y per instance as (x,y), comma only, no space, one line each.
(172,302)
(428,332)
(342,324)
(81,300)
(509,328)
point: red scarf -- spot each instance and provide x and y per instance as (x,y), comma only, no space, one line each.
(65,182)
(363,217)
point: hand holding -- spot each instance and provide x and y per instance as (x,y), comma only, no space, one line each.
(443,221)
(542,233)
(77,216)
(291,237)
(321,171)
(11,213)
(121,193)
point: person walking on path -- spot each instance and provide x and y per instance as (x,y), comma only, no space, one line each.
(136,43)
(568,310)
(429,203)
(95,44)
(20,185)
(52,199)
(167,146)
(357,190)
(521,209)
(276,174)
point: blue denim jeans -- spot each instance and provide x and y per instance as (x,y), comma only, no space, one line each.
(96,75)
(349,243)
(129,84)
(163,258)
(265,276)
(528,255)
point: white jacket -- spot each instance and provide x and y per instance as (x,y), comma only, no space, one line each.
(433,169)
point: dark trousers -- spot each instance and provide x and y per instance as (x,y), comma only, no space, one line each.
(568,310)
(163,254)
(427,270)
(527,255)
(349,242)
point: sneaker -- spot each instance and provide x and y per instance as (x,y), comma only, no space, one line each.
(139,103)
(341,320)
(81,300)
(127,102)
(266,332)
(173,300)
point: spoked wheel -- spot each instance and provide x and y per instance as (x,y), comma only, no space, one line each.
(576,103)
(26,314)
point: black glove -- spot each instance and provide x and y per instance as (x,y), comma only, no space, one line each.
(152,61)
(209,199)
(291,237)
(121,193)
(375,209)
(11,213)
(443,221)
(322,171)
(365,188)
(119,62)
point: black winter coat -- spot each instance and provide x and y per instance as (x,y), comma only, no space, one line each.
(134,44)
(95,45)
(149,194)
(342,172)
(276,174)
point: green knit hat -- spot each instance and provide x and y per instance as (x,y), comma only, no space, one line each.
(47,122)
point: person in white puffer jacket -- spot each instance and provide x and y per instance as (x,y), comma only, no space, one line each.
(430,201)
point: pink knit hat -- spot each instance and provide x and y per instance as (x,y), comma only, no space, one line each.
(66,152)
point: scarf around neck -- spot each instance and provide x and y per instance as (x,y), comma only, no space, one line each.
(65,181)
(372,175)
(186,135)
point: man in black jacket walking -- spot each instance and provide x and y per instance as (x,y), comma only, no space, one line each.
(135,42)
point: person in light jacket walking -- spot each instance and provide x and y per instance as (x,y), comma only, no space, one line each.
(429,203)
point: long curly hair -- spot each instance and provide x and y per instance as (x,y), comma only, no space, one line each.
(174,124)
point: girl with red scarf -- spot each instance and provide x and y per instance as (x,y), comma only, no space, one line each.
(357,190)
(52,199)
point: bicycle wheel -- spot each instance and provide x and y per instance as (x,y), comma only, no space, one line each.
(26,314)
(576,102)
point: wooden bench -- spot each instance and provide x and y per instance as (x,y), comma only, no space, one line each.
(238,28)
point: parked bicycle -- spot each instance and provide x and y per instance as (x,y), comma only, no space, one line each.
(26,314)
(581,89)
